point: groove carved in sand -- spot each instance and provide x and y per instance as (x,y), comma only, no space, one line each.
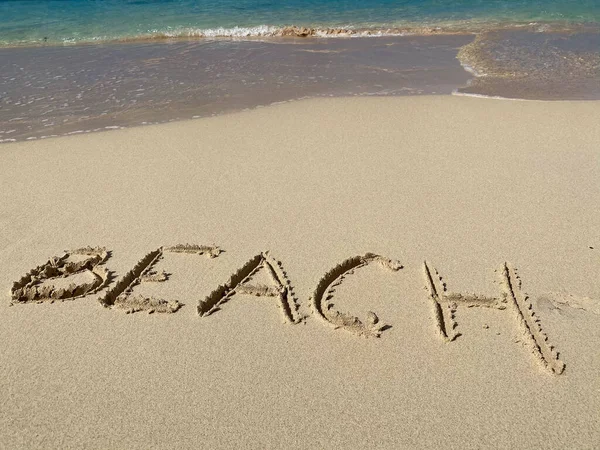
(208,250)
(34,286)
(121,295)
(545,353)
(239,283)
(154,276)
(446,303)
(325,290)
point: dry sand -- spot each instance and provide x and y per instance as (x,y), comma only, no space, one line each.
(297,196)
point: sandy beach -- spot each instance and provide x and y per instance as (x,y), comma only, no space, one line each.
(417,272)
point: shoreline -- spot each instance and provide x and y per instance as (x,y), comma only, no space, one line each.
(299,103)
(125,85)
(273,33)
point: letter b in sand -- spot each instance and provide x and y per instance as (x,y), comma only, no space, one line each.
(53,280)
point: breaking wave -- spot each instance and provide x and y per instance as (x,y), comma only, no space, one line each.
(272,31)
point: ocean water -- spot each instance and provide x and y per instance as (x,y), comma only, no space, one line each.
(31,22)
(77,66)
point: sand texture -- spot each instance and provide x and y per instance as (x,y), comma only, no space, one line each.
(336,273)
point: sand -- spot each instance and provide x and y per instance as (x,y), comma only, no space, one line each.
(335,273)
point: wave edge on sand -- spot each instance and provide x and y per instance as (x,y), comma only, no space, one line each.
(266,31)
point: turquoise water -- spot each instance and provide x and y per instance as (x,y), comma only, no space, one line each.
(27,22)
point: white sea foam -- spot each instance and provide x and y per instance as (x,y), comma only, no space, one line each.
(259,31)
(265,31)
(333,31)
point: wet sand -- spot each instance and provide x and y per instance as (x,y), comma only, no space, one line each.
(54,91)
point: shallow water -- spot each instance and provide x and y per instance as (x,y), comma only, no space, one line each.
(54,91)
(525,65)
(47,91)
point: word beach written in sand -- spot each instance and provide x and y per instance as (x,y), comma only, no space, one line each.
(82,272)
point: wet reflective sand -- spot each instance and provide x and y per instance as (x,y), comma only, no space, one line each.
(526,65)
(53,91)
